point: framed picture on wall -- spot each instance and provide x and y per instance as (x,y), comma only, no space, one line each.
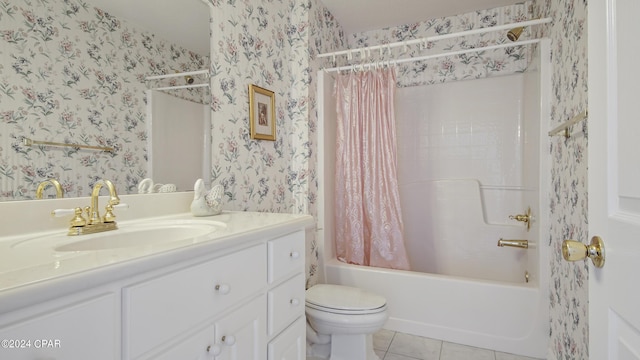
(262,113)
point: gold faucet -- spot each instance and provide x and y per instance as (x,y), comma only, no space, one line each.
(94,214)
(55,183)
(514,243)
(95,223)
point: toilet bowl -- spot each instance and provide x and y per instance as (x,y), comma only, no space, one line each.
(343,319)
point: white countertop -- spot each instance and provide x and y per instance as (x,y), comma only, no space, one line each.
(31,270)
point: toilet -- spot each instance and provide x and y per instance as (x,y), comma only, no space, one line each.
(341,321)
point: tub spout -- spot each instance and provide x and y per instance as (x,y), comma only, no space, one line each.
(514,243)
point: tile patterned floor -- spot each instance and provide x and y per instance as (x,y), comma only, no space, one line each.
(391,345)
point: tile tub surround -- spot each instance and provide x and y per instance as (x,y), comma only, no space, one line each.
(39,279)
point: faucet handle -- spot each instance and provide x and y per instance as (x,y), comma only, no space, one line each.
(77,221)
(526,218)
(109,216)
(63,212)
(121,206)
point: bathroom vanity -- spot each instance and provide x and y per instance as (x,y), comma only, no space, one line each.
(236,293)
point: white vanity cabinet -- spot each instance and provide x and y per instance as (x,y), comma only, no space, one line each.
(286,321)
(291,343)
(242,305)
(81,327)
(163,310)
(244,301)
(238,335)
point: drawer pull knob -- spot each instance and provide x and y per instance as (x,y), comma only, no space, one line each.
(223,289)
(214,350)
(295,302)
(294,254)
(229,340)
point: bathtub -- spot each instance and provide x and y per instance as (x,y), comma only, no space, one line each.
(463,287)
(507,317)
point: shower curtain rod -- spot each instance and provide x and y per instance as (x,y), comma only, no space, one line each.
(180,87)
(197,72)
(424,40)
(433,56)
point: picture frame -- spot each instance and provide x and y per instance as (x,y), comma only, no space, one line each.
(262,113)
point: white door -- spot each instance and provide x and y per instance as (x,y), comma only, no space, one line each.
(614,178)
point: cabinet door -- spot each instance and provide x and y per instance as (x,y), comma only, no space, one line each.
(241,334)
(198,346)
(291,344)
(80,331)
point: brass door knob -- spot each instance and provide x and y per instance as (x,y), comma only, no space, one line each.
(574,250)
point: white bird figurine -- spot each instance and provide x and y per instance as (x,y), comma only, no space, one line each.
(146,186)
(206,203)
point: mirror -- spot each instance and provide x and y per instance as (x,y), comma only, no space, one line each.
(74,72)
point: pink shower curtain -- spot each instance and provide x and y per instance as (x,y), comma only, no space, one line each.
(369,228)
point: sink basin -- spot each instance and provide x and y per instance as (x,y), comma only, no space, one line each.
(128,235)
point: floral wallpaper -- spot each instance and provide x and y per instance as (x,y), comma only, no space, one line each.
(72,73)
(450,68)
(272,44)
(569,296)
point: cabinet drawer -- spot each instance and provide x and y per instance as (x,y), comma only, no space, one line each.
(291,344)
(286,255)
(161,309)
(286,303)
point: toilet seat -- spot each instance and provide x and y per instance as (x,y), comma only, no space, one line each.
(339,299)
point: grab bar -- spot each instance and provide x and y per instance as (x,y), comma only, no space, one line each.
(564,128)
(29,142)
(524,244)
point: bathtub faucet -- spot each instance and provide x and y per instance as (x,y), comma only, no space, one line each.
(514,243)
(526,218)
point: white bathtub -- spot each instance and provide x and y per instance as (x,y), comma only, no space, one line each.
(463,288)
(505,317)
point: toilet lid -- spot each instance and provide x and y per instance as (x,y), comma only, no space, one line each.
(343,298)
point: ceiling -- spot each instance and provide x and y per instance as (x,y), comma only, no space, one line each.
(186,22)
(364,15)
